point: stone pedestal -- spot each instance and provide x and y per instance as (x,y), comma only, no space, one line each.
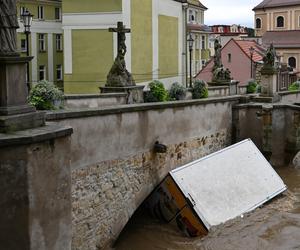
(15,112)
(268,82)
(135,94)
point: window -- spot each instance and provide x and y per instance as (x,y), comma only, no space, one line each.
(203,42)
(220,29)
(258,23)
(196,16)
(42,72)
(59,42)
(42,43)
(234,29)
(280,22)
(229,58)
(23,45)
(59,72)
(203,63)
(292,62)
(22,10)
(197,42)
(57,14)
(40,12)
(192,17)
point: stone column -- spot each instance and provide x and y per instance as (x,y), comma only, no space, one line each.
(15,112)
(268,82)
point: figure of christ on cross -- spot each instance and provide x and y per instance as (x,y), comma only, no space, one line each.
(118,75)
(121,30)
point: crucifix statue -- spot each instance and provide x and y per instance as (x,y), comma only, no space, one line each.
(8,28)
(119,75)
(121,30)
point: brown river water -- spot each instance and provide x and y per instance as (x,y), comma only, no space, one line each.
(275,226)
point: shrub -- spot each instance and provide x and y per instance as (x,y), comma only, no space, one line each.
(45,95)
(294,86)
(177,91)
(253,87)
(157,92)
(199,89)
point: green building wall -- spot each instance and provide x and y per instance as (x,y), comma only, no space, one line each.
(168,46)
(49,9)
(92,60)
(41,57)
(141,37)
(81,6)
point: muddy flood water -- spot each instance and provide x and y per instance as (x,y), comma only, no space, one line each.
(274,226)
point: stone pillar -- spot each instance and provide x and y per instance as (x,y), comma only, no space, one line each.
(35,177)
(15,112)
(268,82)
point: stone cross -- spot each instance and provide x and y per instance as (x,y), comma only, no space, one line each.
(121,30)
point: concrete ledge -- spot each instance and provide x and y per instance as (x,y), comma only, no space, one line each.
(29,136)
(263,105)
(66,114)
(92,96)
(218,87)
(283,93)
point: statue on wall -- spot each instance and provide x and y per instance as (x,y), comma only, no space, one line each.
(270,57)
(119,76)
(217,57)
(220,74)
(8,28)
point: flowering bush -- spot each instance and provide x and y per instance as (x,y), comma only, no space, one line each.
(253,87)
(45,96)
(199,89)
(157,92)
(177,91)
(294,86)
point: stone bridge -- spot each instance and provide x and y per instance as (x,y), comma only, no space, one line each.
(113,164)
(78,193)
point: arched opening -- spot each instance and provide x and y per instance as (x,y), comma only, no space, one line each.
(280,22)
(258,23)
(292,62)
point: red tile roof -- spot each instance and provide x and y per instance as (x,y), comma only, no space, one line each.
(276,3)
(282,39)
(245,47)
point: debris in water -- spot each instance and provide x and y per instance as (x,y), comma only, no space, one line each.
(217,188)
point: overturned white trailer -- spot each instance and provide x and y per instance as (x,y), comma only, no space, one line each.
(216,188)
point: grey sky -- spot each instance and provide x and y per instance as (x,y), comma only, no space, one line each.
(230,11)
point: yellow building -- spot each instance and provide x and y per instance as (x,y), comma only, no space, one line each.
(278,22)
(45,40)
(155,46)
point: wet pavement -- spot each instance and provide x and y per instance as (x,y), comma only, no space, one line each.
(275,226)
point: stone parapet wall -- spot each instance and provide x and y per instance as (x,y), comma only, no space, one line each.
(114,167)
(290,97)
(94,101)
(274,128)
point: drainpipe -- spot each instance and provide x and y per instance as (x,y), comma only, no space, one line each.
(185,68)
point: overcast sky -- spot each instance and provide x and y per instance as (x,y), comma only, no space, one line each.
(230,11)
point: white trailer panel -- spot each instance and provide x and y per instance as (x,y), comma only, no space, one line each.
(228,183)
